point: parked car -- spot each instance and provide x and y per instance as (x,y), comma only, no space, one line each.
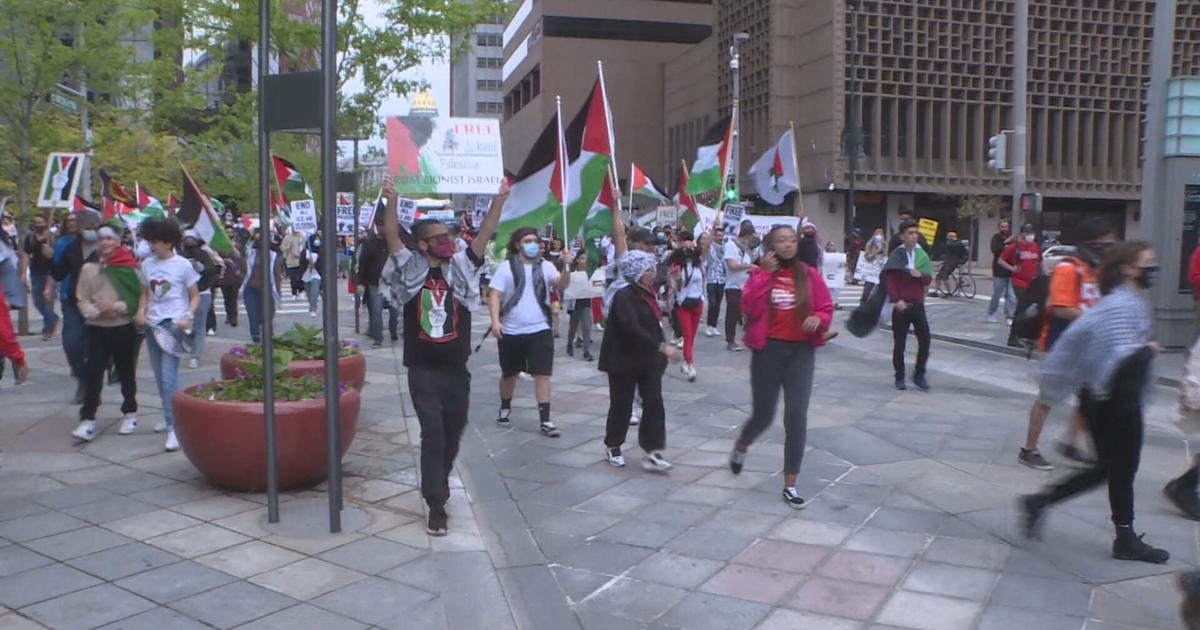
(1055,254)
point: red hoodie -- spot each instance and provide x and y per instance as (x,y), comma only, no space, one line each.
(9,348)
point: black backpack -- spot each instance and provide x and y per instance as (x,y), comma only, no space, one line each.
(1033,312)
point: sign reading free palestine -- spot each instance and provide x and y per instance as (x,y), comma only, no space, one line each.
(430,156)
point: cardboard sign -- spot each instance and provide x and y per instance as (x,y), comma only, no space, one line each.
(60,182)
(443,156)
(304,215)
(834,268)
(406,212)
(366,216)
(667,215)
(483,204)
(734,214)
(928,228)
(345,214)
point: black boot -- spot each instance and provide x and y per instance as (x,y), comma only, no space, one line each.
(1183,494)
(1031,507)
(1129,546)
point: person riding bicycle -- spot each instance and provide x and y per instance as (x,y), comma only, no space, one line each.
(954,253)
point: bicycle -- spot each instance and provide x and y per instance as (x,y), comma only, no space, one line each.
(962,283)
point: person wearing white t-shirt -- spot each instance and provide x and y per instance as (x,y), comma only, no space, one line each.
(738,261)
(686,264)
(519,302)
(168,306)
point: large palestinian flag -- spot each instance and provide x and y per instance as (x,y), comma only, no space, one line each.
(196,211)
(687,206)
(712,159)
(535,198)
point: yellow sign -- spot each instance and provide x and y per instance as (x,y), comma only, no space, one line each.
(928,228)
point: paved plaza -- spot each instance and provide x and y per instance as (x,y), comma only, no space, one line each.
(911,521)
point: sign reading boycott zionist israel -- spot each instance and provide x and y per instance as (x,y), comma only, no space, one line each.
(428,156)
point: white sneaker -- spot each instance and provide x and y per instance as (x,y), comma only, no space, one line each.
(193,363)
(160,427)
(613,456)
(691,373)
(991,319)
(312,314)
(635,418)
(708,331)
(679,342)
(128,425)
(86,431)
(655,462)
(212,333)
(172,443)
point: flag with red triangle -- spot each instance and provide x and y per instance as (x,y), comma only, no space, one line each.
(641,184)
(688,215)
(774,173)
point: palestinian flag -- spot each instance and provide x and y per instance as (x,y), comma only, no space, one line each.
(897,261)
(641,184)
(82,204)
(122,269)
(599,223)
(149,205)
(57,185)
(688,214)
(172,205)
(591,169)
(196,212)
(535,198)
(712,159)
(115,191)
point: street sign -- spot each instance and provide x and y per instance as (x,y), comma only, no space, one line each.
(64,102)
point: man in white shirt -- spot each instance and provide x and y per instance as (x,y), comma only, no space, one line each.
(519,301)
(738,260)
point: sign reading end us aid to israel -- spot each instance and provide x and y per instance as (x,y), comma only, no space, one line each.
(428,156)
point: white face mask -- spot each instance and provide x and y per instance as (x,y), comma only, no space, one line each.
(142,250)
(1029,238)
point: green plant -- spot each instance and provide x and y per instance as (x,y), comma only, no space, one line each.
(248,387)
(303,342)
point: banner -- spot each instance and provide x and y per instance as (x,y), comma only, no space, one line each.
(444,155)
(928,228)
(60,182)
(762,222)
(406,213)
(345,214)
(304,215)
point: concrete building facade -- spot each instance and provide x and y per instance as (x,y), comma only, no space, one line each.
(476,86)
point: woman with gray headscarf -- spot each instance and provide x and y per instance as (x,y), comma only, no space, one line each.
(634,354)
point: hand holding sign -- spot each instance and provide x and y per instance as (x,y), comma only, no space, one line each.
(406,213)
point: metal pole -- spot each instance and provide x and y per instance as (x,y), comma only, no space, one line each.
(735,63)
(852,123)
(1017,148)
(266,279)
(357,244)
(1158,228)
(84,122)
(329,263)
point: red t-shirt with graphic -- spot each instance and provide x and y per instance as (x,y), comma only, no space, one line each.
(786,324)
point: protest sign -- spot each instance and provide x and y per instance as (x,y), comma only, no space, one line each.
(734,213)
(406,213)
(61,180)
(928,228)
(304,215)
(667,215)
(834,267)
(345,214)
(483,203)
(444,155)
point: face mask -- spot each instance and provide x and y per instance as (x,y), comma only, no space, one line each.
(1093,253)
(1028,238)
(531,250)
(143,249)
(1149,275)
(443,249)
(89,235)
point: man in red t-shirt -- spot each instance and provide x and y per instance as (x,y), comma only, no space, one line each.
(1023,258)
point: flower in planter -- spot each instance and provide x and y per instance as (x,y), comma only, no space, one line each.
(239,352)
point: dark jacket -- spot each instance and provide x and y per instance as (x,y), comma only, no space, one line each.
(371,259)
(632,335)
(998,247)
(66,267)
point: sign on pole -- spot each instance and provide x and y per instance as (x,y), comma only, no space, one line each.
(406,212)
(442,156)
(304,215)
(345,214)
(483,203)
(60,182)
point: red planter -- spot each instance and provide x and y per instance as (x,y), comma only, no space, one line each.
(352,370)
(226,441)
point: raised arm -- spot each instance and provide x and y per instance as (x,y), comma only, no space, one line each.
(487,229)
(391,226)
(620,245)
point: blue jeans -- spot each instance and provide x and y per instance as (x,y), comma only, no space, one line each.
(166,375)
(37,283)
(312,289)
(253,299)
(1003,287)
(72,337)
(374,313)
(199,335)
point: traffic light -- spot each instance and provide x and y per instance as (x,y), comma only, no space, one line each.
(731,194)
(998,152)
(1031,202)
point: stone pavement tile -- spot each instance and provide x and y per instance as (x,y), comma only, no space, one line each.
(810,533)
(156,619)
(175,494)
(845,513)
(676,569)
(711,543)
(135,482)
(907,520)
(929,612)
(214,508)
(744,582)
(633,599)
(303,617)
(18,507)
(247,523)
(605,557)
(371,555)
(947,579)
(15,559)
(38,526)
(887,542)
(784,556)
(1006,618)
(375,490)
(577,584)
(706,495)
(250,558)
(1092,624)
(307,578)
(614,505)
(151,524)
(118,562)
(14,621)
(784,619)
(554,545)
(1151,602)
(755,524)
(865,567)
(770,503)
(375,601)
(726,479)
(36,585)
(599,621)
(641,533)
(575,522)
(1025,563)
(838,598)
(704,611)
(110,509)
(77,543)
(70,496)
(647,487)
(970,553)
(88,608)
(174,581)
(424,573)
(197,540)
(233,604)
(675,512)
(1069,597)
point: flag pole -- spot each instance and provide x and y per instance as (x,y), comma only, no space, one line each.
(612,140)
(631,170)
(796,165)
(561,158)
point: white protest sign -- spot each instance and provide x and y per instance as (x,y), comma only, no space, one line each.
(443,156)
(61,180)
(366,216)
(734,213)
(667,215)
(304,215)
(834,267)
(406,213)
(762,222)
(483,203)
(345,214)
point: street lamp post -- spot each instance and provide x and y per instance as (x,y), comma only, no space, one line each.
(852,121)
(735,62)
(329,263)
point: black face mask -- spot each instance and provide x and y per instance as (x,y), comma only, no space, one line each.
(1093,253)
(1149,275)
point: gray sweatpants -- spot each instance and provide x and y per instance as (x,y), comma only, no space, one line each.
(787,365)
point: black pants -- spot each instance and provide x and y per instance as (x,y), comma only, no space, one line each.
(1022,304)
(913,316)
(440,398)
(210,322)
(716,292)
(1117,431)
(102,344)
(231,303)
(733,313)
(868,287)
(622,384)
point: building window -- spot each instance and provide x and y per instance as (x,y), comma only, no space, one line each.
(489,39)
(489,62)
(494,85)
(489,107)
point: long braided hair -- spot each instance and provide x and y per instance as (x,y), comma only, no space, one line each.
(799,272)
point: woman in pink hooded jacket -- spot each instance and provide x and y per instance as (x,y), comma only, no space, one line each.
(788,311)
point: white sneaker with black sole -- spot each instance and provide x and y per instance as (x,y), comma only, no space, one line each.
(613,456)
(172,442)
(86,431)
(793,499)
(655,462)
(160,427)
(128,424)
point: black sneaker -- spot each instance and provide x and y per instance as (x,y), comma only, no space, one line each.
(1073,453)
(437,522)
(921,383)
(900,384)
(587,356)
(504,418)
(1184,498)
(1132,547)
(1031,507)
(570,350)
(736,460)
(1034,460)
(794,500)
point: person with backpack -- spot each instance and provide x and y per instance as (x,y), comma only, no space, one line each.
(1071,290)
(1023,259)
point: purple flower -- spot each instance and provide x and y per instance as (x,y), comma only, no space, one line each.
(238,351)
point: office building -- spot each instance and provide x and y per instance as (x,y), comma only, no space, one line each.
(476,85)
